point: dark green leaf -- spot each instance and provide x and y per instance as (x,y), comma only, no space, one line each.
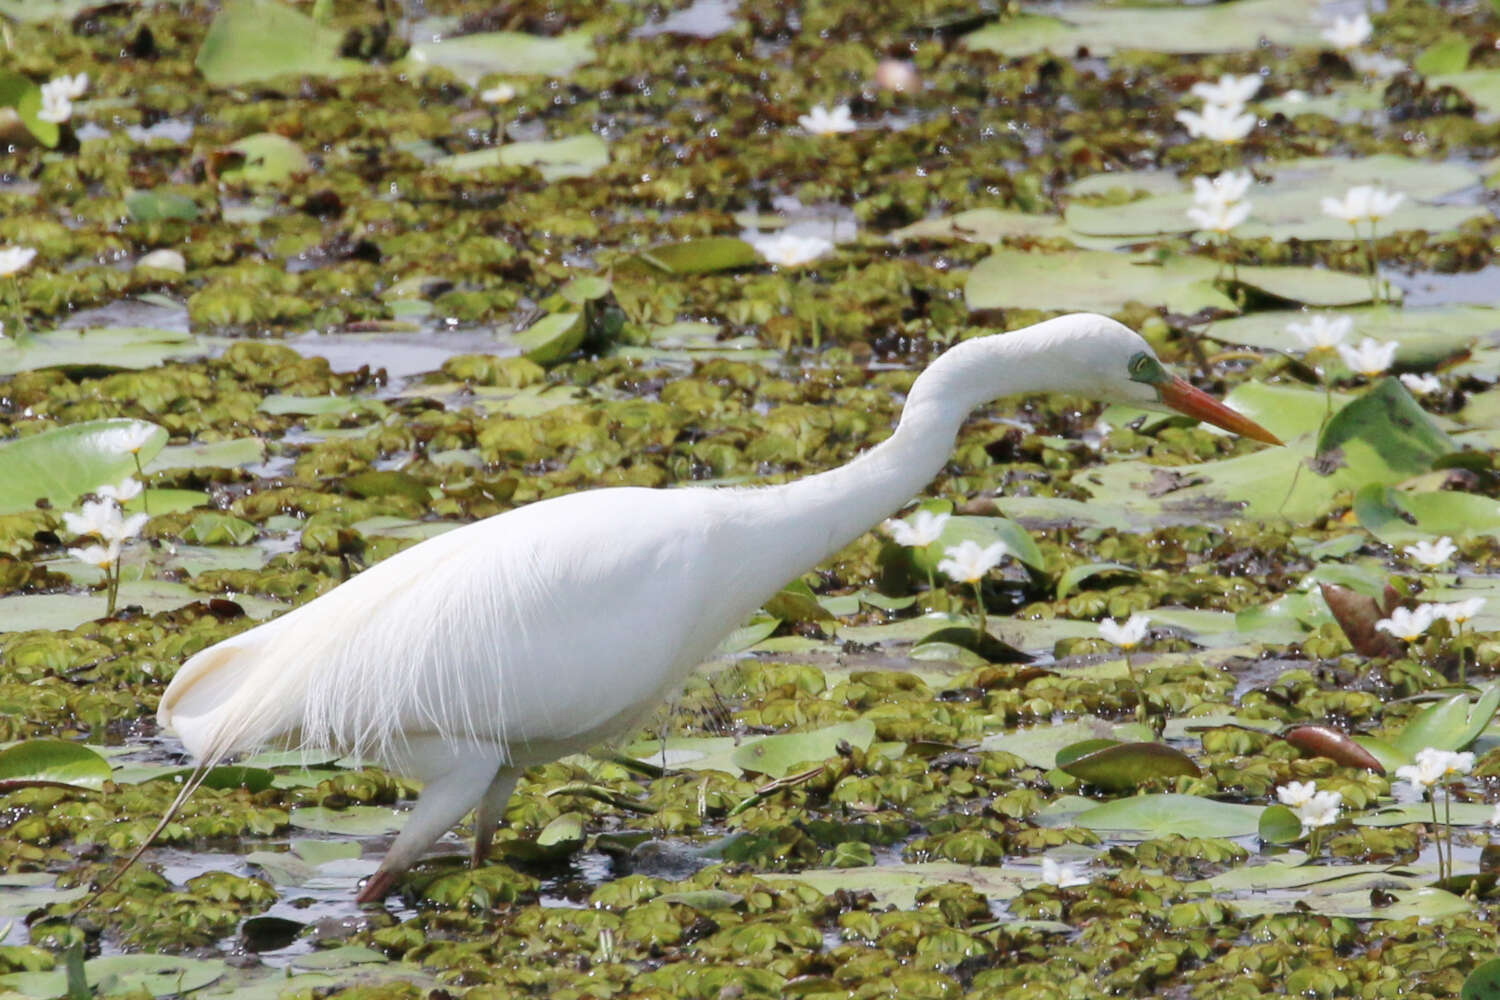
(1279,825)
(1127,766)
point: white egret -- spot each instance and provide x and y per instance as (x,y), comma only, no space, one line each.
(550,628)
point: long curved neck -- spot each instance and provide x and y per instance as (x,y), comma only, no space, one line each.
(819,515)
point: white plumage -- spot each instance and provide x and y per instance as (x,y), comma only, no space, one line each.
(548,629)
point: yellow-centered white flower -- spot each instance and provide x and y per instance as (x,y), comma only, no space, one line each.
(1370,358)
(789,249)
(1347,33)
(13,259)
(1127,634)
(1231,91)
(1322,332)
(1431,553)
(1218,122)
(1061,874)
(821,121)
(1421,385)
(1406,624)
(968,561)
(924,528)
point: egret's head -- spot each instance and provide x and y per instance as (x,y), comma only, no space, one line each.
(1096,357)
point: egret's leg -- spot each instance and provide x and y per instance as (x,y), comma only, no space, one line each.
(489,813)
(444,800)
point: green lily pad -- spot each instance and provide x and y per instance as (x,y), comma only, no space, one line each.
(1459,814)
(387,482)
(1074,578)
(553,337)
(555,159)
(1224,27)
(158,205)
(1482,86)
(1426,336)
(1450,724)
(1124,767)
(1313,286)
(897,885)
(97,348)
(52,762)
(356,821)
(1092,281)
(1397,518)
(702,256)
(775,756)
(983,225)
(65,611)
(1424,904)
(230,454)
(24,98)
(157,975)
(62,464)
(320,405)
(216,527)
(269,160)
(1483,983)
(506,53)
(1287,205)
(1380,437)
(983,531)
(1144,817)
(252,41)
(1279,825)
(1040,745)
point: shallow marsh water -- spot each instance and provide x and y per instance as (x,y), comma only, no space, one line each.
(340,373)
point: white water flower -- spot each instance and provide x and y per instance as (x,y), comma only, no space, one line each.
(1322,331)
(1127,634)
(1060,874)
(1431,553)
(1349,32)
(1218,122)
(968,561)
(71,87)
(1495,818)
(128,490)
(1321,810)
(1296,793)
(1361,203)
(1224,189)
(1370,358)
(922,530)
(13,259)
(1458,612)
(500,93)
(104,519)
(1434,765)
(1375,64)
(131,439)
(56,107)
(1406,624)
(164,260)
(102,556)
(789,249)
(1231,91)
(821,121)
(1219,217)
(1421,385)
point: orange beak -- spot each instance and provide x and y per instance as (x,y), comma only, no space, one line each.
(1181,396)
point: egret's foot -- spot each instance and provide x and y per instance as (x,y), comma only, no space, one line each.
(481,852)
(376,887)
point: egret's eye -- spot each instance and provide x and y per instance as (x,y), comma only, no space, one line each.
(1144,368)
